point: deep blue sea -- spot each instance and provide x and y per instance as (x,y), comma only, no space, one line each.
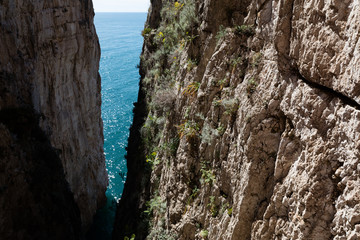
(121,44)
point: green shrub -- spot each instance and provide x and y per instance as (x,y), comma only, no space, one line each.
(189,129)
(191,89)
(234,62)
(160,233)
(256,59)
(151,131)
(231,106)
(221,83)
(191,63)
(216,102)
(188,17)
(248,30)
(146,31)
(194,194)
(190,38)
(224,207)
(221,34)
(212,207)
(200,116)
(170,147)
(131,238)
(207,175)
(229,211)
(251,86)
(178,21)
(221,129)
(155,205)
(208,133)
(204,234)
(152,159)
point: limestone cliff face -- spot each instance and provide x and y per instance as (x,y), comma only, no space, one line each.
(50,87)
(252,128)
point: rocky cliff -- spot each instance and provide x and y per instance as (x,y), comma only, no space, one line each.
(251,127)
(52,162)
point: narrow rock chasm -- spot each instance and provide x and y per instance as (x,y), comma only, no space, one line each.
(245,126)
(121,48)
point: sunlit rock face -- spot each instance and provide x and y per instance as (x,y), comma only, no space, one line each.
(262,100)
(50,87)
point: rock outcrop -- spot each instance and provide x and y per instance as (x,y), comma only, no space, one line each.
(52,162)
(253,119)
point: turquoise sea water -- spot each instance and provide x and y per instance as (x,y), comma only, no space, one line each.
(121,44)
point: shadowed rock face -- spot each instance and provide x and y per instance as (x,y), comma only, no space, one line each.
(263,97)
(36,201)
(49,81)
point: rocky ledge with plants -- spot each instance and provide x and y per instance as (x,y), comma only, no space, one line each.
(247,124)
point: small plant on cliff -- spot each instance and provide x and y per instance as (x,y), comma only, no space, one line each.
(208,133)
(221,34)
(170,147)
(146,31)
(221,83)
(229,211)
(247,30)
(150,131)
(155,205)
(159,232)
(191,64)
(221,129)
(234,62)
(216,102)
(194,194)
(174,145)
(190,38)
(251,86)
(160,37)
(188,18)
(231,106)
(212,207)
(256,59)
(131,238)
(204,234)
(191,89)
(189,129)
(207,175)
(178,6)
(152,159)
(224,207)
(170,11)
(179,18)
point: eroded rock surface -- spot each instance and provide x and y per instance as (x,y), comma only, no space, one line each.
(49,81)
(253,122)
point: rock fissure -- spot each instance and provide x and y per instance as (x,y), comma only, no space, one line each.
(345,99)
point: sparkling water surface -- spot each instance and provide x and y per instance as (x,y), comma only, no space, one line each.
(121,43)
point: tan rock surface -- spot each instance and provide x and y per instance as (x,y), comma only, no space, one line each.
(268,122)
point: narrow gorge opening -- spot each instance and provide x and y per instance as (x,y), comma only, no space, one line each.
(121,43)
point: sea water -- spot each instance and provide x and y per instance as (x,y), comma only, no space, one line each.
(121,43)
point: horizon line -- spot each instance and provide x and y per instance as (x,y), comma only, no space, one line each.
(118,12)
